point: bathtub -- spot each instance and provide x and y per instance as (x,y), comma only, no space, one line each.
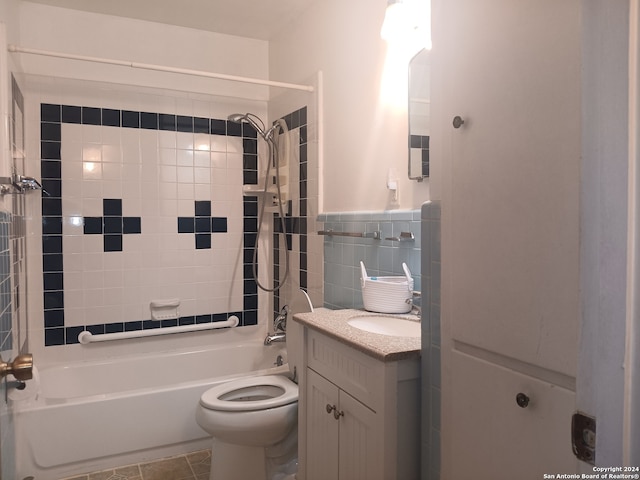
(96,415)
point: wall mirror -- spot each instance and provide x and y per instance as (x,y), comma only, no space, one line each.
(419,115)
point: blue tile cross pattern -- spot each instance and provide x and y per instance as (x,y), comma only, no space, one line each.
(112,225)
(203,224)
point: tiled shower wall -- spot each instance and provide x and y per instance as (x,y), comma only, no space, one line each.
(342,255)
(146,205)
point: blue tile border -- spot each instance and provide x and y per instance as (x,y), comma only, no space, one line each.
(294,225)
(52,116)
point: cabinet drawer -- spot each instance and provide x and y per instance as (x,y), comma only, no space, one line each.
(354,372)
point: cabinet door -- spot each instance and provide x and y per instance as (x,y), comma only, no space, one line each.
(322,429)
(494,438)
(511,191)
(361,451)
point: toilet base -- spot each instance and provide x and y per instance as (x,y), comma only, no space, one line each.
(237,462)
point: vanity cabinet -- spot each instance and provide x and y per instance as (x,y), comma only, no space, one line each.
(359,415)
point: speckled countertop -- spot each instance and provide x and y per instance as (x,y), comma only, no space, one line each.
(334,324)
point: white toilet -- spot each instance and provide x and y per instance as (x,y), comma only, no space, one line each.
(254,420)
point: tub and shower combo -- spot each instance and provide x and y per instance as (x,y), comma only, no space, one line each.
(97,415)
(92,415)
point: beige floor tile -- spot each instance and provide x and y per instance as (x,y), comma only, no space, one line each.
(169,469)
(200,462)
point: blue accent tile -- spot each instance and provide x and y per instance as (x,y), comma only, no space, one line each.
(110,117)
(203,208)
(112,224)
(53,336)
(50,132)
(50,150)
(114,327)
(190,320)
(96,329)
(186,225)
(130,119)
(50,113)
(72,334)
(91,116)
(234,129)
(51,169)
(132,326)
(201,125)
(112,207)
(131,225)
(149,121)
(112,243)
(53,318)
(184,124)
(92,225)
(52,281)
(167,122)
(203,241)
(71,114)
(218,127)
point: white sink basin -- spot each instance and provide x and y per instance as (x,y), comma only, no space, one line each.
(393,326)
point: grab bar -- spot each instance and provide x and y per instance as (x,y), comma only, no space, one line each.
(85,337)
(333,233)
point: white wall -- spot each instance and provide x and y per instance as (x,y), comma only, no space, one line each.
(70,31)
(603,258)
(363,138)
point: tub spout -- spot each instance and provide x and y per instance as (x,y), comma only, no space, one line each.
(276,337)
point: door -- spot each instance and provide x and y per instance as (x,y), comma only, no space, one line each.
(361,451)
(322,428)
(511,236)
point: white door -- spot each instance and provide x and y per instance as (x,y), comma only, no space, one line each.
(322,441)
(511,236)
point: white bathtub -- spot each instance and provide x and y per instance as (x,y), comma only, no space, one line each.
(96,415)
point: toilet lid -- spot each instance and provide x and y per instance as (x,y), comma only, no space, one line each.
(251,393)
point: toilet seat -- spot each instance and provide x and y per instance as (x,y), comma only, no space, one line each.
(250,394)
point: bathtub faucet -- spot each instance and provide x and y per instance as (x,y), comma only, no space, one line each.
(279,328)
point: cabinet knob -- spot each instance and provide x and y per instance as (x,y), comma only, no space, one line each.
(330,408)
(522,400)
(457,121)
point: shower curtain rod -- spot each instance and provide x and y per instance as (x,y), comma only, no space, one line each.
(160,68)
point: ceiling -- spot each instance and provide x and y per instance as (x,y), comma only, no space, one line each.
(259,19)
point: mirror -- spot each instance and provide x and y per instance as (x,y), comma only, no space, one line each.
(419,114)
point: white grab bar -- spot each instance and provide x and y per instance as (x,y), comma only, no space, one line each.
(85,337)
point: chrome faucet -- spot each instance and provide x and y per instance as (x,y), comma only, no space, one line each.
(279,328)
(417,309)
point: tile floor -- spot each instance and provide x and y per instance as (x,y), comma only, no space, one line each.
(192,466)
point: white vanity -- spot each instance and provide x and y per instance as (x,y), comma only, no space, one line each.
(359,405)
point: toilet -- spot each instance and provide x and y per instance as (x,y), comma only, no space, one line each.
(254,420)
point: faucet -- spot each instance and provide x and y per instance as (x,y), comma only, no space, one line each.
(279,327)
(417,309)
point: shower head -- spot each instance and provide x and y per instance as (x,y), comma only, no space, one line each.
(236,117)
(254,121)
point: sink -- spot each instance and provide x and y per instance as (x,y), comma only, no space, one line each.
(392,326)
